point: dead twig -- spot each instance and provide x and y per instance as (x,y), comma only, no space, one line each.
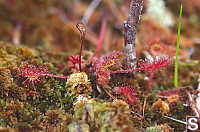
(17,34)
(130,32)
(198,88)
(193,104)
(144,105)
(140,116)
(175,120)
(107,92)
(90,10)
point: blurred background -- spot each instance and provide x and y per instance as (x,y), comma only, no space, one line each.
(52,23)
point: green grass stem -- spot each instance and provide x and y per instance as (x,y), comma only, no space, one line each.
(177,50)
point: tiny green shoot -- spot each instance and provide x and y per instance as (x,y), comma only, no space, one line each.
(177,50)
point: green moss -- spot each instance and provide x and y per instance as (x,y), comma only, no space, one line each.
(54,104)
(105,117)
(20,108)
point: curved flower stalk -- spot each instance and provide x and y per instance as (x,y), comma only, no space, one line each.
(82,29)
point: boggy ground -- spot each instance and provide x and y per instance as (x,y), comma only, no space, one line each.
(42,89)
(79,102)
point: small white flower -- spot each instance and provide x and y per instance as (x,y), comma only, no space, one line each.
(80,98)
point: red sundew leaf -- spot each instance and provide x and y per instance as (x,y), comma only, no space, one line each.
(150,66)
(154,65)
(10,3)
(73,63)
(103,77)
(102,66)
(128,92)
(117,90)
(32,73)
(171,95)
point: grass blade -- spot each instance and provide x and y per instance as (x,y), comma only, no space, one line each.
(177,50)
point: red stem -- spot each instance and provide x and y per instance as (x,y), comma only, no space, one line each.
(51,75)
(151,74)
(126,71)
(101,37)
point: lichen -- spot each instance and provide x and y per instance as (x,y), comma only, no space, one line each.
(107,116)
(20,108)
(78,83)
(157,10)
(161,106)
(160,128)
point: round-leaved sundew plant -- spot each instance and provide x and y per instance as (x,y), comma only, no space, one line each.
(73,63)
(150,67)
(32,73)
(128,92)
(104,65)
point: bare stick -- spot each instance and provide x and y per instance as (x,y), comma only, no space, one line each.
(176,120)
(137,114)
(90,10)
(144,105)
(198,88)
(192,104)
(107,92)
(101,37)
(130,32)
(17,34)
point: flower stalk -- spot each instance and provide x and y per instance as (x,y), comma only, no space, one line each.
(82,29)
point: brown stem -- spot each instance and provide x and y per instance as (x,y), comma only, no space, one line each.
(82,30)
(80,54)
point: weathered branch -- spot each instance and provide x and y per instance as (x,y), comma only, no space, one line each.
(90,11)
(130,32)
